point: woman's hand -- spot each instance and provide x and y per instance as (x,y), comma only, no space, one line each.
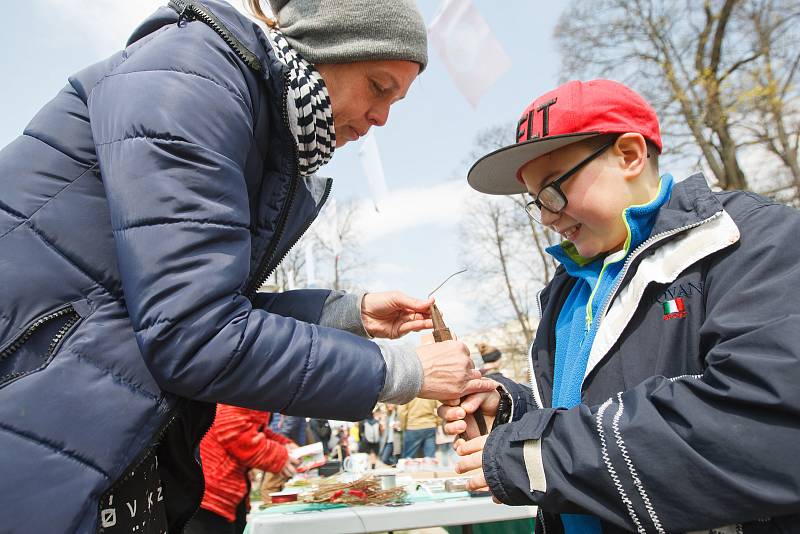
(458,415)
(448,372)
(393,314)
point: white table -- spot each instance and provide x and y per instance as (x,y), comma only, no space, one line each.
(360,519)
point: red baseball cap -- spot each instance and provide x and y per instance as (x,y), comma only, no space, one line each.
(570,113)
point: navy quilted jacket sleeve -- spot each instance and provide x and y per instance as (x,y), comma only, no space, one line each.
(180,215)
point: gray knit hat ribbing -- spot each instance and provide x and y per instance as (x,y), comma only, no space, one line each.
(343,31)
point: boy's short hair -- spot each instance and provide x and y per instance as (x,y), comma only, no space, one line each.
(573,112)
(593,143)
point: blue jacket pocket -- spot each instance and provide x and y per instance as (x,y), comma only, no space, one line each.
(37,343)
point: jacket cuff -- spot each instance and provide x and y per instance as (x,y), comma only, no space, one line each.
(512,460)
(505,407)
(343,312)
(403,374)
(520,396)
(492,469)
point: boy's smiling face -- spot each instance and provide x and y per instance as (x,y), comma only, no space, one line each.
(597,194)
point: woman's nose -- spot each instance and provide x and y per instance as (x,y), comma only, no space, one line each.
(378,114)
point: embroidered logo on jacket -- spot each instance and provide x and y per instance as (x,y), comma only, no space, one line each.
(674,309)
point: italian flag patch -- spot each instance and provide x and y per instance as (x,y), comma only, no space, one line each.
(674,309)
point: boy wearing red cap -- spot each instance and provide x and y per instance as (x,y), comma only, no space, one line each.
(665,367)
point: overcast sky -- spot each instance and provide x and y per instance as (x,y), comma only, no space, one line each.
(424,147)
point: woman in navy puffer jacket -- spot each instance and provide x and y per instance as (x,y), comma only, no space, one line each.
(140,212)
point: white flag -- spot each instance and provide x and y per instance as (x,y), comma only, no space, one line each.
(373,168)
(463,39)
(311,277)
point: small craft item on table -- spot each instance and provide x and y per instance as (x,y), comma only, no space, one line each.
(365,490)
(280,497)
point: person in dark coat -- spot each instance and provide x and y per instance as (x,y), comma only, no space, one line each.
(321,431)
(141,211)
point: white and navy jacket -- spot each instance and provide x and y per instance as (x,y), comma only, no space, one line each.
(690,414)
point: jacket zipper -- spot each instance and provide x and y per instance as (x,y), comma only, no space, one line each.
(264,271)
(641,248)
(540,520)
(637,251)
(196,11)
(296,238)
(532,376)
(651,241)
(193,10)
(64,311)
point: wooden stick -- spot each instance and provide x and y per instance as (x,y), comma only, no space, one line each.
(442,333)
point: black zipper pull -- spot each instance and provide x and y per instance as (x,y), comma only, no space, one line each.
(190,11)
(184,17)
(184,10)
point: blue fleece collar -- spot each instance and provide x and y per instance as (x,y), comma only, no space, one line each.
(639,219)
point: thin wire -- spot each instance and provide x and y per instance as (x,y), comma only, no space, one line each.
(445,280)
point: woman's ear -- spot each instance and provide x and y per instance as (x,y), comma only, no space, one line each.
(632,151)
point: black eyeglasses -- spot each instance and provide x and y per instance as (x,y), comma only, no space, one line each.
(550,197)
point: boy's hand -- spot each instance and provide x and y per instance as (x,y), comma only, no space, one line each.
(459,418)
(471,462)
(448,372)
(393,314)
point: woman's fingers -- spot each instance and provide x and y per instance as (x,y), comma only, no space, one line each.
(418,305)
(414,326)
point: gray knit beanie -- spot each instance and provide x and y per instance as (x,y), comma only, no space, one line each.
(344,31)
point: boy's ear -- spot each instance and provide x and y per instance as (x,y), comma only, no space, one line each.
(632,149)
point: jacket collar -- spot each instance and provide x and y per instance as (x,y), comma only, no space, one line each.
(691,203)
(639,221)
(245,30)
(692,209)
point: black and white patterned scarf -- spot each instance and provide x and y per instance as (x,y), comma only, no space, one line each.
(310,115)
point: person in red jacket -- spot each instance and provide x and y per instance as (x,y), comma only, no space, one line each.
(239,440)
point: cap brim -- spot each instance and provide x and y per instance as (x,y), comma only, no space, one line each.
(496,172)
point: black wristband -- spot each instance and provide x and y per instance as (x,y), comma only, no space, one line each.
(503,408)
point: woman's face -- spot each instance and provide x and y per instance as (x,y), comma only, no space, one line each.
(362,92)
